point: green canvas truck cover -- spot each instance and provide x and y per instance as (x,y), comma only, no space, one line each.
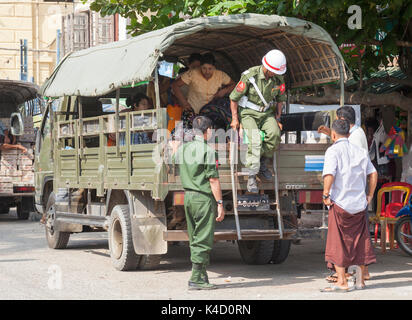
(99,70)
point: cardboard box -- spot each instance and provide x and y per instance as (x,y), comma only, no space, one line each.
(9,162)
(26,167)
(9,152)
(10,173)
(24,162)
(8,156)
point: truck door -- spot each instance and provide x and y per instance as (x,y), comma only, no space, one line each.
(43,164)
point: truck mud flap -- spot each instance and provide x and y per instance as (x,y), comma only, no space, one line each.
(148,224)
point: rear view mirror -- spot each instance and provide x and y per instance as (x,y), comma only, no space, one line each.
(16,124)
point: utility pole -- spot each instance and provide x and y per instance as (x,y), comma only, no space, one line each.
(23,59)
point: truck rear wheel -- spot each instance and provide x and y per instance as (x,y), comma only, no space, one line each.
(24,207)
(280,251)
(122,252)
(256,251)
(55,239)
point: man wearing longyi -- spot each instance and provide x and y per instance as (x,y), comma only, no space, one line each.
(346,171)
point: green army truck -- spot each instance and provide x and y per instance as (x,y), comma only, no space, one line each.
(133,191)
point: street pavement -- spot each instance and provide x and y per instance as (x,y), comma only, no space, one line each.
(30,270)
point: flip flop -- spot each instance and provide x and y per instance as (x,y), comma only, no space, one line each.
(334,278)
(337,289)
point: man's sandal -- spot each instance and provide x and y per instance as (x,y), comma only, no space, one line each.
(334,278)
(337,289)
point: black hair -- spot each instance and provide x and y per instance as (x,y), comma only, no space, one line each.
(372,123)
(208,58)
(202,123)
(132,100)
(195,57)
(347,113)
(341,127)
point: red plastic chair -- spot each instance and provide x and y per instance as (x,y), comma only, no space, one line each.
(399,193)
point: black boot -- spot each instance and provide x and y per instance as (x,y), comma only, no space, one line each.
(197,281)
(264,171)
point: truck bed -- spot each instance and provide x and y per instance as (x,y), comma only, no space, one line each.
(291,167)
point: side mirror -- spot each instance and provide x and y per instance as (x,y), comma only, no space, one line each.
(16,124)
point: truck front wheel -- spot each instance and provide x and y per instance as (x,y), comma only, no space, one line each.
(4,208)
(24,206)
(122,252)
(256,251)
(55,239)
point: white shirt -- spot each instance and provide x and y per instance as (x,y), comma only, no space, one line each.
(358,137)
(350,165)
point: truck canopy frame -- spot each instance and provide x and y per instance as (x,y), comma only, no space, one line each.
(238,41)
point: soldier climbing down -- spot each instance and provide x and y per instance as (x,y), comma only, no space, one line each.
(255,93)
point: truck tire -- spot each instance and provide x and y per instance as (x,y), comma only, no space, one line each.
(282,247)
(55,239)
(256,251)
(4,209)
(24,207)
(403,233)
(121,247)
(149,261)
(280,251)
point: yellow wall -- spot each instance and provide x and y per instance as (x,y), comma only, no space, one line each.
(25,19)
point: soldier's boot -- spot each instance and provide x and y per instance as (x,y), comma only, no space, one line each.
(252,184)
(197,281)
(264,170)
(205,277)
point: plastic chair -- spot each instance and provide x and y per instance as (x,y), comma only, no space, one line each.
(399,193)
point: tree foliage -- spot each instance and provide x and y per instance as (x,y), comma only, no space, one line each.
(384,22)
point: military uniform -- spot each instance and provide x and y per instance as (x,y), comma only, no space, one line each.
(254,121)
(197,164)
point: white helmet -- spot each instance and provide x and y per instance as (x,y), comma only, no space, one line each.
(275,61)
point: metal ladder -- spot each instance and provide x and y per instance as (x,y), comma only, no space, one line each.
(234,173)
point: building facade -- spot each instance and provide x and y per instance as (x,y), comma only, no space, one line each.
(51,30)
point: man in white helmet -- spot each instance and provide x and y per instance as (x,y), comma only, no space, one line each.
(257,102)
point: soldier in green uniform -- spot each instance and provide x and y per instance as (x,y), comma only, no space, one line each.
(255,94)
(203,198)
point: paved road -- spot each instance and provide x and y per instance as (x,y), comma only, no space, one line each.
(30,270)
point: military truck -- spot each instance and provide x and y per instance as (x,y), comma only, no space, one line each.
(17,99)
(134,191)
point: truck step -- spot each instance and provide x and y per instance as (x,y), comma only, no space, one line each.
(247,234)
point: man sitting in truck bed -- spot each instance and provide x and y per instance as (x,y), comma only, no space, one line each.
(8,142)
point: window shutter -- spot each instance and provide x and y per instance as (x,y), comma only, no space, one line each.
(102,29)
(75,32)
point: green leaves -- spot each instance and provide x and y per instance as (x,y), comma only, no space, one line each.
(391,17)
